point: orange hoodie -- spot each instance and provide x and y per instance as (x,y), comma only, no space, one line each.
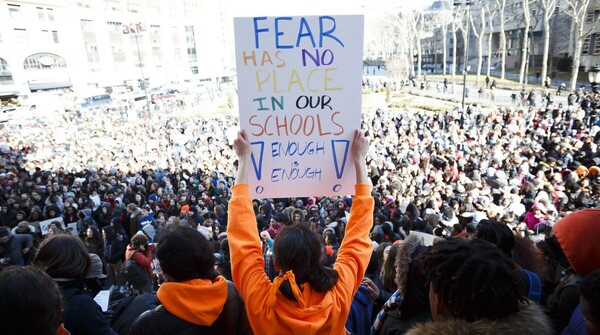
(181,299)
(269,312)
(578,234)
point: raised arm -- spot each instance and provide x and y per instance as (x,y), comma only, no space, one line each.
(355,251)
(360,147)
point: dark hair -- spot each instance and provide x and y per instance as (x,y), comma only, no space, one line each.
(298,248)
(468,274)
(497,234)
(590,290)
(30,302)
(63,256)
(185,254)
(389,269)
(138,240)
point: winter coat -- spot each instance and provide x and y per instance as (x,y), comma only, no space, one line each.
(82,315)
(143,258)
(529,320)
(197,306)
(114,249)
(13,249)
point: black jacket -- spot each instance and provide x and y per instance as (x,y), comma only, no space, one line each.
(114,250)
(232,320)
(82,315)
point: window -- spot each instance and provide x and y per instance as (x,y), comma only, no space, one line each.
(5,74)
(83,3)
(3,65)
(589,43)
(194,69)
(21,36)
(15,12)
(44,61)
(55,36)
(41,13)
(87,26)
(50,14)
(592,16)
(133,8)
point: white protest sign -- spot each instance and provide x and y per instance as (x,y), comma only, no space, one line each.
(426,239)
(72,228)
(44,224)
(299,90)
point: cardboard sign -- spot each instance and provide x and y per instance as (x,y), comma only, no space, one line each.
(426,239)
(299,90)
(44,224)
(72,228)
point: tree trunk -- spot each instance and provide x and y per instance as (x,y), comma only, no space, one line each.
(501,9)
(578,38)
(453,49)
(480,46)
(502,45)
(525,46)
(444,45)
(524,55)
(546,46)
(490,35)
(419,56)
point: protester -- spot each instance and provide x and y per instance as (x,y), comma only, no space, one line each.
(30,303)
(195,298)
(14,248)
(66,260)
(141,252)
(460,308)
(324,302)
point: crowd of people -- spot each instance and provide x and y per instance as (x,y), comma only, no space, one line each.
(118,191)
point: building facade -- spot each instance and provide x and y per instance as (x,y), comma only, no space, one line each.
(97,44)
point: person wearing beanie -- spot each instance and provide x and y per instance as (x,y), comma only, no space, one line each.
(14,248)
(576,248)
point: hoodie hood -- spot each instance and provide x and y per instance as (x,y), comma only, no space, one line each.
(306,315)
(181,299)
(577,234)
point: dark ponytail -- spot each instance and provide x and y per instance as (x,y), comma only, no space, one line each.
(299,249)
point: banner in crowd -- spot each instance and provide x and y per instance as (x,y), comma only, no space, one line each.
(44,224)
(299,90)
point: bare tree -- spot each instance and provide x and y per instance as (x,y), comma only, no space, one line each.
(416,24)
(525,46)
(479,36)
(501,8)
(548,7)
(577,10)
(490,15)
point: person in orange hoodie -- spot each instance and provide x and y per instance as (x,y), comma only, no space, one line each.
(306,298)
(195,299)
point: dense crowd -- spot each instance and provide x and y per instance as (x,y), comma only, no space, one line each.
(121,185)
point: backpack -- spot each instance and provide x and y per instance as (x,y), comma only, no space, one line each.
(133,273)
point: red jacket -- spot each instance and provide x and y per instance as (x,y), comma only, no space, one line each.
(143,258)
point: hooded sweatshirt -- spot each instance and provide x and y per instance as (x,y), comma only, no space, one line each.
(181,299)
(578,234)
(269,312)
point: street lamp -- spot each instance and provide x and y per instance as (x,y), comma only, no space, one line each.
(594,78)
(136,29)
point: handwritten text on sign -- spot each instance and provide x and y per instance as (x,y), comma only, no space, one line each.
(299,89)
